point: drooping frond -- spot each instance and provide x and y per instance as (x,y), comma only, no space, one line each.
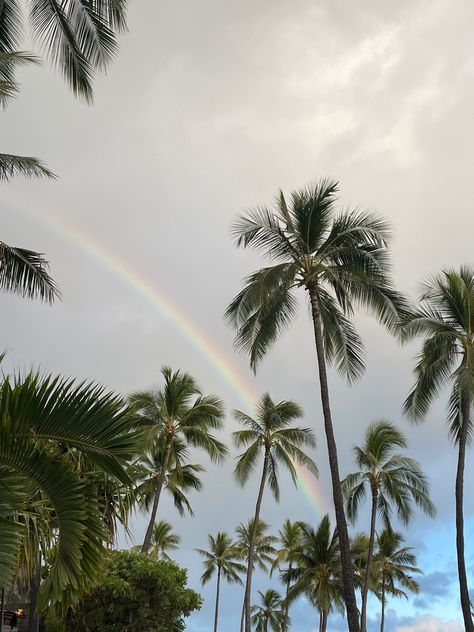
(26,166)
(25,272)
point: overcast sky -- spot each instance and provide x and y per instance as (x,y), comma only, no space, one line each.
(210,108)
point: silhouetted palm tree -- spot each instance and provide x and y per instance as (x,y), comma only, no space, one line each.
(221,557)
(163,540)
(270,437)
(268,616)
(341,261)
(289,537)
(178,412)
(394,565)
(318,571)
(445,318)
(263,548)
(392,479)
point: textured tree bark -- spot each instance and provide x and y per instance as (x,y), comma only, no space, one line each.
(459,493)
(346,562)
(382,618)
(284,627)
(156,499)
(365,588)
(248,582)
(216,613)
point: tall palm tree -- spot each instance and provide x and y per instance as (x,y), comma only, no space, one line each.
(264,545)
(269,615)
(445,319)
(394,564)
(181,476)
(78,36)
(163,540)
(341,262)
(263,548)
(45,423)
(178,412)
(270,436)
(221,557)
(289,537)
(318,571)
(390,478)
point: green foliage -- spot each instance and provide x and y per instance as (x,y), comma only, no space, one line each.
(136,594)
(268,616)
(223,555)
(342,258)
(52,433)
(269,435)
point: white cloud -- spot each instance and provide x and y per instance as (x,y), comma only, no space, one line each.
(432,624)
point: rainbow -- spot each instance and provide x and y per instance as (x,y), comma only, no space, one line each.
(211,353)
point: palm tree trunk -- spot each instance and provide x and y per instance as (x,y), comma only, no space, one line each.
(156,499)
(324,621)
(463,588)
(382,618)
(216,613)
(368,568)
(248,583)
(320,621)
(242,616)
(346,562)
(284,627)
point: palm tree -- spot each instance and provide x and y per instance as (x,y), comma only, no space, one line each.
(79,37)
(163,540)
(269,436)
(264,545)
(263,549)
(318,571)
(269,615)
(180,476)
(221,557)
(394,565)
(53,432)
(178,411)
(289,537)
(391,479)
(445,318)
(340,262)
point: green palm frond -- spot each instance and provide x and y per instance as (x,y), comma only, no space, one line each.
(11,165)
(25,272)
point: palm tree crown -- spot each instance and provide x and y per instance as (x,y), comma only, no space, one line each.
(268,435)
(393,478)
(221,558)
(264,550)
(318,570)
(178,412)
(268,616)
(445,319)
(394,565)
(163,540)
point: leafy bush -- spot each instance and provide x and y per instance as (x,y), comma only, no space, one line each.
(136,594)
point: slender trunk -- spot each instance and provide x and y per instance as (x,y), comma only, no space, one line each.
(2,610)
(242,616)
(320,621)
(368,568)
(324,624)
(248,583)
(463,588)
(216,613)
(161,481)
(382,618)
(346,562)
(284,627)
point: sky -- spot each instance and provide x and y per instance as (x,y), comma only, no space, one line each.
(210,108)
